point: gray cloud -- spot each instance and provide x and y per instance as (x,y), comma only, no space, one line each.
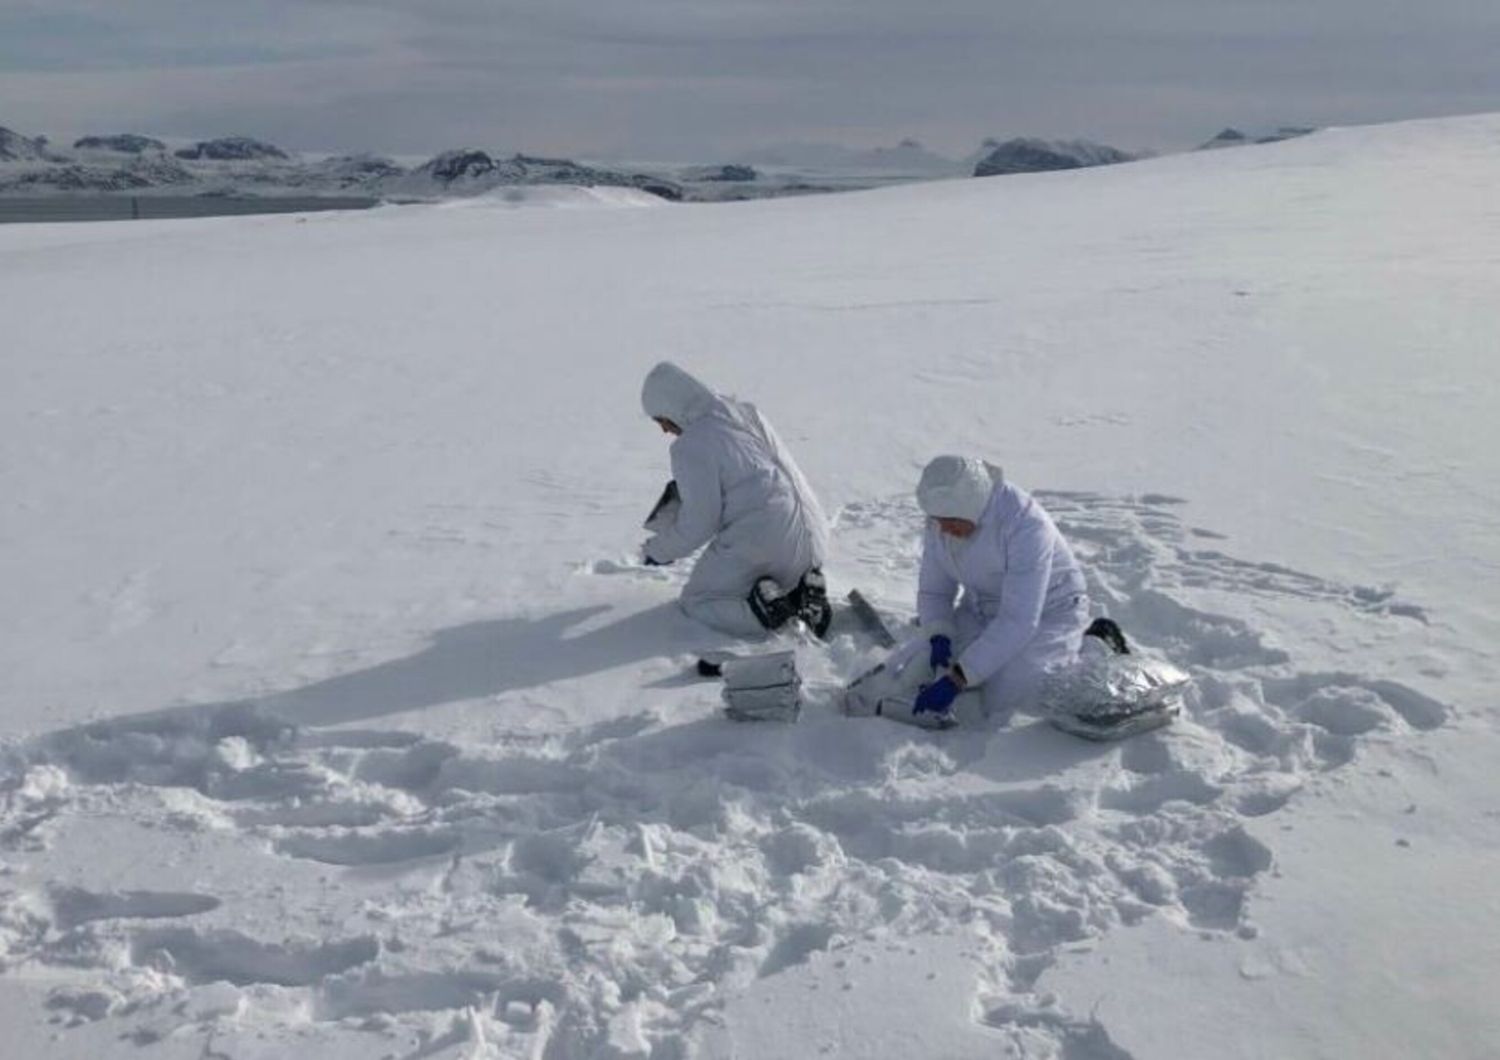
(705,77)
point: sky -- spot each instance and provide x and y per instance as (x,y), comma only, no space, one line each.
(706,79)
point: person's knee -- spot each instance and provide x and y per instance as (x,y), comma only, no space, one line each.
(724,613)
(1013,688)
(698,607)
(719,574)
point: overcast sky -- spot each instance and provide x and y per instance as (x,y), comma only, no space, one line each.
(703,79)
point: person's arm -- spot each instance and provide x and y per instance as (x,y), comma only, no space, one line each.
(936,588)
(698,520)
(1023,593)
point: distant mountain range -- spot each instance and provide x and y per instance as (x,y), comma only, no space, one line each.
(240,165)
(994,157)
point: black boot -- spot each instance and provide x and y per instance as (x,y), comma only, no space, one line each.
(1108,630)
(813,607)
(773,606)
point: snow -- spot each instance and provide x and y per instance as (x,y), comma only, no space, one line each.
(559,197)
(338,715)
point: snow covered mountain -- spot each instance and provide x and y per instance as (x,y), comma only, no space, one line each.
(242,165)
(129,162)
(120,143)
(340,719)
(231,149)
(17,148)
(470,171)
(1031,155)
(238,165)
(1232,137)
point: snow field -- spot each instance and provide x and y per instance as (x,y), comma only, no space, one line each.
(339,717)
(606,890)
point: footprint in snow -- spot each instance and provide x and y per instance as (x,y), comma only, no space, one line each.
(644,854)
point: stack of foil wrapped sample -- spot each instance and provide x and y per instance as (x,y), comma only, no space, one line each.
(762,687)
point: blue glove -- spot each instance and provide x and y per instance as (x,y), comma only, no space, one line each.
(942,651)
(936,697)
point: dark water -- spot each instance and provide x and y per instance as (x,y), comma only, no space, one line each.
(126,207)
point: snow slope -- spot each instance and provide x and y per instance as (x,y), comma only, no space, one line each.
(340,717)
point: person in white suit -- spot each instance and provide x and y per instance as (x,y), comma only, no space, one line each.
(740,493)
(1000,598)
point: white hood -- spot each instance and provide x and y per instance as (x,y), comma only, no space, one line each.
(739,488)
(957,487)
(670,393)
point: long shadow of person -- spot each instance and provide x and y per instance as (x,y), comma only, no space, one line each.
(485,659)
(473,661)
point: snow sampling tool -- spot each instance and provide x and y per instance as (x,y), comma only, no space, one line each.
(889,689)
(1109,694)
(664,511)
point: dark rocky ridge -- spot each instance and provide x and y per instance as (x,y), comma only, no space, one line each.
(349,170)
(726,174)
(232,149)
(123,143)
(1232,137)
(471,170)
(1029,155)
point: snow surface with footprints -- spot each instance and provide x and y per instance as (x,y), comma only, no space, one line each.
(337,716)
(602,892)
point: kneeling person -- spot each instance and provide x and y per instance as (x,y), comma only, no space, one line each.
(740,493)
(1000,596)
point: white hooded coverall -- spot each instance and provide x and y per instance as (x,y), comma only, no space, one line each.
(1024,602)
(742,495)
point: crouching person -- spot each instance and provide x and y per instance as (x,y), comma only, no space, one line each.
(739,492)
(1000,598)
(1000,594)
